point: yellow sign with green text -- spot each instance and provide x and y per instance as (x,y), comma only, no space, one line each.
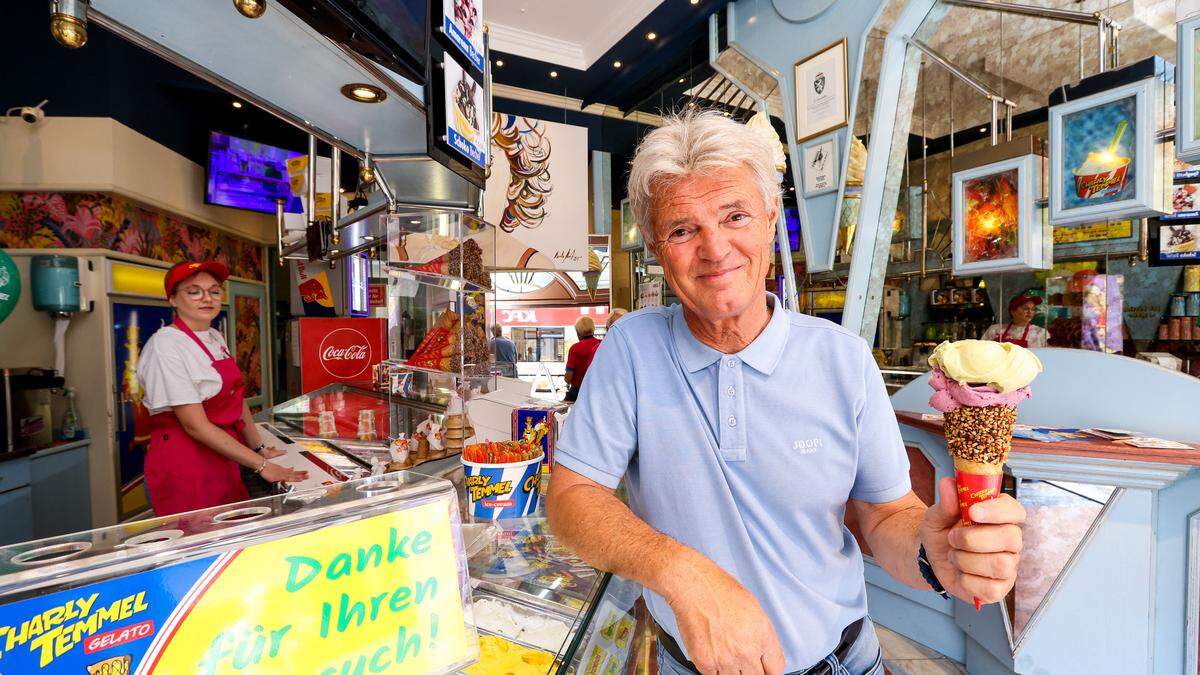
(380,595)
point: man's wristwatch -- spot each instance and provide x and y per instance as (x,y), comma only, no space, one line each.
(928,575)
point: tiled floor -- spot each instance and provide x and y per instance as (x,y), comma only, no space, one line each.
(902,656)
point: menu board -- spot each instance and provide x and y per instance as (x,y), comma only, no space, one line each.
(1179,241)
(463,96)
(462,24)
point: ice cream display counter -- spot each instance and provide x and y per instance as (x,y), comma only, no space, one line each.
(367,571)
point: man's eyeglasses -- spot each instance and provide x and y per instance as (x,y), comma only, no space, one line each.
(195,293)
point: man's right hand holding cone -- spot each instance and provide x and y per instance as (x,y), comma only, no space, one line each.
(976,561)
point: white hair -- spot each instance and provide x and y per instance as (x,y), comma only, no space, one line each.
(697,143)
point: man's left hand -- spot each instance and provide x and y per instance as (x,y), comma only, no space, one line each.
(974,561)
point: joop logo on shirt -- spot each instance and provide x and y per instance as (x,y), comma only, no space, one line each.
(807,446)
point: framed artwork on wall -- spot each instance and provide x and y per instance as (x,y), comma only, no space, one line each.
(631,234)
(1103,160)
(996,227)
(820,166)
(1187,103)
(822,92)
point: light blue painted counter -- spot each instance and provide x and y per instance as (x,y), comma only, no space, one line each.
(1122,602)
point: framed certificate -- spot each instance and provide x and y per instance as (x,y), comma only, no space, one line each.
(822,92)
(820,167)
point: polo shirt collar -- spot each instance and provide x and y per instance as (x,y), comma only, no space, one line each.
(763,354)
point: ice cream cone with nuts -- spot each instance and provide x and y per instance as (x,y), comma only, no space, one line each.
(978,385)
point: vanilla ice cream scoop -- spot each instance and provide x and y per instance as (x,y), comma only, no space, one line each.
(1003,366)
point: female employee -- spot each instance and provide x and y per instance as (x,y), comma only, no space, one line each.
(1020,330)
(200,426)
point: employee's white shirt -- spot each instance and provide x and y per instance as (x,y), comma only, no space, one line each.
(1038,337)
(172,369)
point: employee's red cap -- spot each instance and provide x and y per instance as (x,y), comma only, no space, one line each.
(1022,299)
(185,270)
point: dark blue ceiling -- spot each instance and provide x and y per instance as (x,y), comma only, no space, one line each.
(647,66)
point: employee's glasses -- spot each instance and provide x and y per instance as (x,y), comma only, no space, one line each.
(195,293)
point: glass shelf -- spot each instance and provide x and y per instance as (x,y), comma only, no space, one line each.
(401,271)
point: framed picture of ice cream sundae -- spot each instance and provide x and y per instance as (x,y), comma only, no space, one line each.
(996,227)
(465,113)
(1102,152)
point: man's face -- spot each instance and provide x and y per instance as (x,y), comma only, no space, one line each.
(713,236)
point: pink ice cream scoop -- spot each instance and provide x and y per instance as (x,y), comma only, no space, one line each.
(949,395)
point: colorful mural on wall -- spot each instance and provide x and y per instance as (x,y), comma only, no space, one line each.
(249,345)
(100,220)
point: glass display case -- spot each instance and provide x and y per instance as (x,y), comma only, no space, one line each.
(532,598)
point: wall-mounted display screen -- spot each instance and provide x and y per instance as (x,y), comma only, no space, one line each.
(792,218)
(248,175)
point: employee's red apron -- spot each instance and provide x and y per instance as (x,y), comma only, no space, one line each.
(183,474)
(1023,341)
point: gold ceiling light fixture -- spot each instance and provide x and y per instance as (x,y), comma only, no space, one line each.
(251,9)
(363,92)
(68,22)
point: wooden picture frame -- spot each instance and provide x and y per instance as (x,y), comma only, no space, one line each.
(822,91)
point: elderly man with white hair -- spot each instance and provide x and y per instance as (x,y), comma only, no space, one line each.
(744,433)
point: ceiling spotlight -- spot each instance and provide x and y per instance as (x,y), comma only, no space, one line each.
(237,104)
(554,73)
(681,80)
(363,93)
(341,190)
(694,2)
(651,35)
(68,22)
(251,9)
(616,64)
(791,189)
(499,63)
(983,130)
(415,221)
(368,237)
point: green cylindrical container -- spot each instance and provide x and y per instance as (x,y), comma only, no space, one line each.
(54,283)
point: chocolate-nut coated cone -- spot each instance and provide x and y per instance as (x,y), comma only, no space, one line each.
(980,434)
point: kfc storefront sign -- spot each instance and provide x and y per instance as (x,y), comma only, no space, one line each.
(339,350)
(549,316)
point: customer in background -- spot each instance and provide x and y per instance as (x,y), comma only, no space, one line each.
(504,352)
(615,314)
(580,356)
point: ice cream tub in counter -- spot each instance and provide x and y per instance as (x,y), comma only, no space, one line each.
(501,483)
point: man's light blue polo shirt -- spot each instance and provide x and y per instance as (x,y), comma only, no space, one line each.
(748,458)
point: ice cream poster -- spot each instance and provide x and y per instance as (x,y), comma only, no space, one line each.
(1099,154)
(378,595)
(992,216)
(465,113)
(996,227)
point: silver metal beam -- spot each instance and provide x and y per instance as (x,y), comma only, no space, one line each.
(890,126)
(954,70)
(310,178)
(1071,15)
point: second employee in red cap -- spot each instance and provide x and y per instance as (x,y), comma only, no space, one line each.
(1020,329)
(200,425)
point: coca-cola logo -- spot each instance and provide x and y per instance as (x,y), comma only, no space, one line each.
(345,353)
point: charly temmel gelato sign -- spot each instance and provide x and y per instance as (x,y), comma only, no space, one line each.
(378,595)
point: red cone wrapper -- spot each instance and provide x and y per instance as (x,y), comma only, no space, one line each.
(974,488)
